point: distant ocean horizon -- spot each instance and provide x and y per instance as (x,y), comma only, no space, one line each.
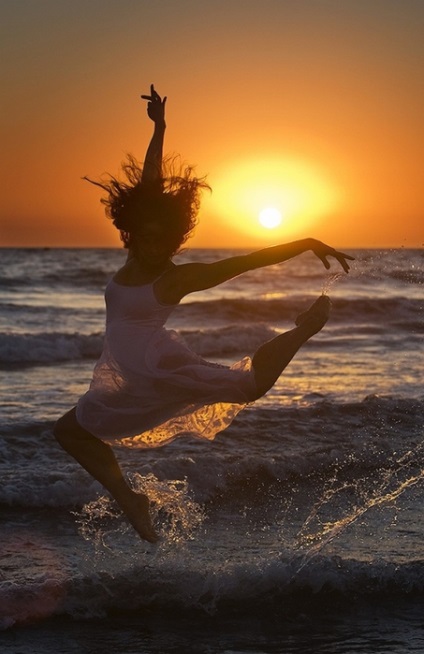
(299,529)
(257,245)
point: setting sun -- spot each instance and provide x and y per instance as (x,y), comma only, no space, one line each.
(284,196)
(270,217)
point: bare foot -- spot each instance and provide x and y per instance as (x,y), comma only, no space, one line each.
(316,316)
(136,508)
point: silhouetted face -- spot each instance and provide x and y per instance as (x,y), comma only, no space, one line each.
(153,246)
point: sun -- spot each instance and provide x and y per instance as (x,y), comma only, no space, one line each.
(270,217)
(272,198)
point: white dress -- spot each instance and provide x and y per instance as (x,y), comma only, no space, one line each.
(148,387)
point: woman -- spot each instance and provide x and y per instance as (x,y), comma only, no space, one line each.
(148,387)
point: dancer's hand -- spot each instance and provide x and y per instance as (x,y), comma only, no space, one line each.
(322,251)
(155,106)
(153,160)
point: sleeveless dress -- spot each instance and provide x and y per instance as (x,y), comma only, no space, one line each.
(148,387)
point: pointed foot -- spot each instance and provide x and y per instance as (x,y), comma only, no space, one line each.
(316,316)
(137,511)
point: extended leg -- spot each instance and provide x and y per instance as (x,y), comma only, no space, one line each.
(273,357)
(98,459)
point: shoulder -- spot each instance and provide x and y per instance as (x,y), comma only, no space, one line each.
(176,282)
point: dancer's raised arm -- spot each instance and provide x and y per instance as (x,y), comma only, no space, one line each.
(188,278)
(156,111)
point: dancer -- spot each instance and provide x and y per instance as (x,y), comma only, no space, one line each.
(148,387)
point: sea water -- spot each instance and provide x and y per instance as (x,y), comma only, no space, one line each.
(299,529)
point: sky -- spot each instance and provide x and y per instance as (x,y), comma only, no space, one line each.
(310,109)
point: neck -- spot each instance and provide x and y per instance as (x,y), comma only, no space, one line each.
(149,267)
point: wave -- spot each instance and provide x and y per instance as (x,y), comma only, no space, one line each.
(274,587)
(376,444)
(48,347)
(51,347)
(58,268)
(304,472)
(68,270)
(88,277)
(250,325)
(242,336)
(275,310)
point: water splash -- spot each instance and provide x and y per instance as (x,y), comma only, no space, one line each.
(330,281)
(97,520)
(175,515)
(383,264)
(173,511)
(404,473)
(372,266)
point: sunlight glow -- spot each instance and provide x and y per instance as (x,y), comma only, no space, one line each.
(285,196)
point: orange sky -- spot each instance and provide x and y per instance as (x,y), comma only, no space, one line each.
(314,107)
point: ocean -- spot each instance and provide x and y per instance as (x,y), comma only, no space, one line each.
(299,529)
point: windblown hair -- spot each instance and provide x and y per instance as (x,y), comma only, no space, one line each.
(172,201)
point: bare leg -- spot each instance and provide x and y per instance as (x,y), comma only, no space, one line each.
(98,459)
(274,356)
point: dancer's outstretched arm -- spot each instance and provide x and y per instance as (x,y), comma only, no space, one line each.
(188,278)
(152,167)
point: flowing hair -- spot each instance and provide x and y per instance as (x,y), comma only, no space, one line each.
(171,200)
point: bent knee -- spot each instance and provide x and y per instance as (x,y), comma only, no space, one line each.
(259,389)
